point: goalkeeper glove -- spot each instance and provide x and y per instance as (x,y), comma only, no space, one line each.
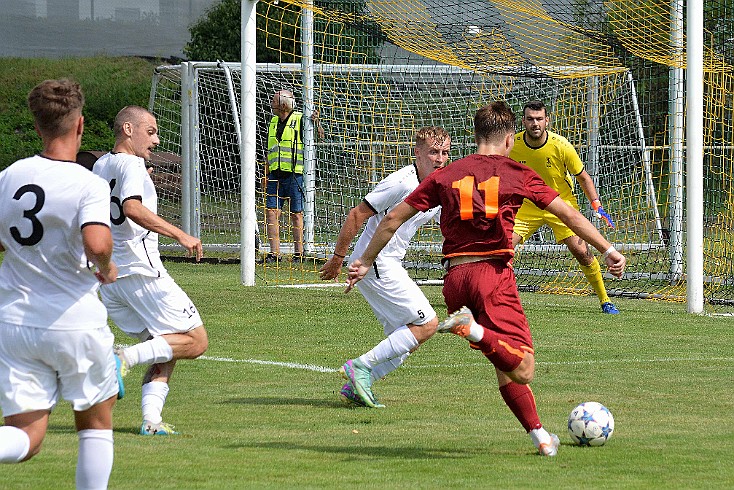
(600,213)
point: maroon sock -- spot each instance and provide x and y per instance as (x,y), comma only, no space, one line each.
(521,401)
(504,356)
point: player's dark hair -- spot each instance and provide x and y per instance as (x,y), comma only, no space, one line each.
(493,122)
(56,105)
(535,105)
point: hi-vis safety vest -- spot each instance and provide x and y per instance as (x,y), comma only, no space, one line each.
(287,154)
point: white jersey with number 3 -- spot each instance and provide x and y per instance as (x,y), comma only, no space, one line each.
(136,248)
(45,279)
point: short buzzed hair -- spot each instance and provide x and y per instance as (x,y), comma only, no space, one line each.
(535,105)
(55,105)
(493,122)
(132,114)
(435,133)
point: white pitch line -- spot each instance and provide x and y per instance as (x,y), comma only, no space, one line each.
(314,286)
(291,365)
(322,369)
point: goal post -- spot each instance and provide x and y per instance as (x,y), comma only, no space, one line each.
(610,73)
(248,162)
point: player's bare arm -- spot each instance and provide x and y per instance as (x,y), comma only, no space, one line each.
(144,217)
(356,218)
(385,231)
(614,260)
(97,241)
(587,185)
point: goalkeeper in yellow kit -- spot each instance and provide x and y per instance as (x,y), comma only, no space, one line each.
(555,160)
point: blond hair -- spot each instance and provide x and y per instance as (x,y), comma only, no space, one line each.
(429,134)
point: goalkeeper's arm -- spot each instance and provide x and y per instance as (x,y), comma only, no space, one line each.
(587,185)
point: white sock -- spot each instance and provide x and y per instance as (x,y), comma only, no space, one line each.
(384,368)
(154,397)
(14,444)
(540,436)
(476,332)
(153,351)
(94,464)
(398,343)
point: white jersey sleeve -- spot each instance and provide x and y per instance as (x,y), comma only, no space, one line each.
(387,194)
(136,248)
(45,278)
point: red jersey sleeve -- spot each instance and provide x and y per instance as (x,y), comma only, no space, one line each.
(424,197)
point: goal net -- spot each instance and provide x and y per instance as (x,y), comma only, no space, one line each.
(381,71)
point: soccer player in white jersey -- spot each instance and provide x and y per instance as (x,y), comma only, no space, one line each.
(145,302)
(407,317)
(54,338)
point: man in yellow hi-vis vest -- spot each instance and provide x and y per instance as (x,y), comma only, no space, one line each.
(285,171)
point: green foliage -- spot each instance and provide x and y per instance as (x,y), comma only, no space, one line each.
(249,419)
(355,43)
(217,36)
(108,83)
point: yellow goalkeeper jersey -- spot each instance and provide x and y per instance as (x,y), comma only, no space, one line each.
(555,161)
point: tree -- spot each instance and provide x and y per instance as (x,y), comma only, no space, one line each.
(354,42)
(217,35)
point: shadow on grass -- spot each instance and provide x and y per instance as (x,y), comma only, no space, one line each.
(309,402)
(351,452)
(117,429)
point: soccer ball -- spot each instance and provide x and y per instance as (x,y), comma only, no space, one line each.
(590,424)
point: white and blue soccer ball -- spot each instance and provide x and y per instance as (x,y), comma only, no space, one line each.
(590,424)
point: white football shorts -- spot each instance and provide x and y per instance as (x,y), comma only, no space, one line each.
(39,366)
(144,306)
(395,298)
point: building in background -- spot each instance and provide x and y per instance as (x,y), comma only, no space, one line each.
(58,28)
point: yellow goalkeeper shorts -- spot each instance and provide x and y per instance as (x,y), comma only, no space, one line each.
(529,218)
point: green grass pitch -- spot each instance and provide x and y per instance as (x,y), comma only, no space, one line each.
(260,409)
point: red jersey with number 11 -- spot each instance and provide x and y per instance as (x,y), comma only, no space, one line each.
(479,196)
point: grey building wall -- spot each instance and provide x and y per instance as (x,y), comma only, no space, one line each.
(80,28)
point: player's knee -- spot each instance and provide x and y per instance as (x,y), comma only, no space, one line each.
(425,331)
(522,377)
(524,373)
(33,450)
(200,341)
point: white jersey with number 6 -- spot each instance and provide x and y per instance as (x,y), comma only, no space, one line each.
(136,248)
(44,204)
